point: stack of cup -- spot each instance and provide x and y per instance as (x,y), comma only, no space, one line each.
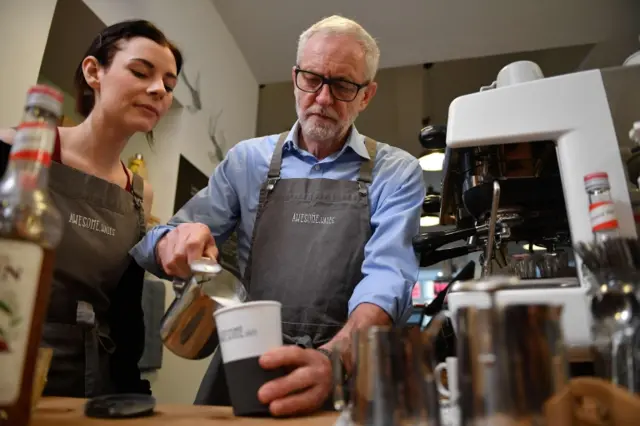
(246,331)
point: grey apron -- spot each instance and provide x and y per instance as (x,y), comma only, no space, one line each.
(102,221)
(307,252)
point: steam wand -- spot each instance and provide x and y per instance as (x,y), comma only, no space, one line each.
(492,228)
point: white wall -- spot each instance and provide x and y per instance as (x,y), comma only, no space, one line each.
(24,27)
(225,82)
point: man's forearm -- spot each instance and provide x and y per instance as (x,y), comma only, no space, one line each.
(365,315)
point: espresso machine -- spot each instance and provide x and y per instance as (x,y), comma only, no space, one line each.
(516,155)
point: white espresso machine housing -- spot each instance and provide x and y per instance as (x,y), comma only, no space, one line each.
(588,115)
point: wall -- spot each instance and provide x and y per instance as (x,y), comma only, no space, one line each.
(611,52)
(24,27)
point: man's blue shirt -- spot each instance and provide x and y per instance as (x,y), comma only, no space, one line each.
(396,195)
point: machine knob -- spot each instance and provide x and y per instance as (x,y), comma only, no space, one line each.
(434,137)
(431,204)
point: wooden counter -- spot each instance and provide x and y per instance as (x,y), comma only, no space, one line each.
(70,412)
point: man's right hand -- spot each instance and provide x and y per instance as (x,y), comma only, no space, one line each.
(182,245)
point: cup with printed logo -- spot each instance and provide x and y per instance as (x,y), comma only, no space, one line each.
(246,331)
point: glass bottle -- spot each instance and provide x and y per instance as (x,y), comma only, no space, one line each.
(138,166)
(30,230)
(602,213)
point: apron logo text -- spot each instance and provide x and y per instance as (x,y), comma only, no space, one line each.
(92,224)
(313,218)
(236,333)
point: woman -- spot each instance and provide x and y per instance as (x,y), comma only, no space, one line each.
(94,320)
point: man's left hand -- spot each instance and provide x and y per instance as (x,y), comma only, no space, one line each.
(304,389)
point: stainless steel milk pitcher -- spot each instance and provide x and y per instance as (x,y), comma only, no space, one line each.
(392,381)
(188,327)
(511,356)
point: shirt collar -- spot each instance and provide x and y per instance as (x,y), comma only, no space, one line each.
(355,140)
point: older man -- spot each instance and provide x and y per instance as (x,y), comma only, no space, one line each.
(324,218)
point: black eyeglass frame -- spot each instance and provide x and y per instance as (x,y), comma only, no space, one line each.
(328,82)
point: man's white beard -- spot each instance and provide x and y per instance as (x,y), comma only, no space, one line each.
(322,132)
(319,131)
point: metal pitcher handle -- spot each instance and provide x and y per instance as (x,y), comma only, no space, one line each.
(178,286)
(204,264)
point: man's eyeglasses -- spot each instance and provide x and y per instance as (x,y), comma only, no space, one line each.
(342,90)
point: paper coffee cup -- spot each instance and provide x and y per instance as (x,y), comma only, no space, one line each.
(246,331)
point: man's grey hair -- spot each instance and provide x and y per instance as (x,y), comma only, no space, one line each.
(338,25)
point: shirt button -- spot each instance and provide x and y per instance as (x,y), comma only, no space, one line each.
(316,167)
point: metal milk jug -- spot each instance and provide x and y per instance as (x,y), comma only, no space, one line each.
(188,328)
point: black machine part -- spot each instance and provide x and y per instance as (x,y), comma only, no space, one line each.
(524,193)
(434,138)
(120,406)
(445,344)
(428,245)
(431,204)
(429,241)
(547,228)
(437,304)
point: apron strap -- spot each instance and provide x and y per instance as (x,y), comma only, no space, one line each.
(56,155)
(137,190)
(366,168)
(276,158)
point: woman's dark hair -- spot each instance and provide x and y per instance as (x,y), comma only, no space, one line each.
(104,47)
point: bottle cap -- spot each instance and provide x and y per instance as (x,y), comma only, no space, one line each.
(596,180)
(46,90)
(45,97)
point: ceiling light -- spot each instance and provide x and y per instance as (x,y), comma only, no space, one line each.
(432,162)
(429,221)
